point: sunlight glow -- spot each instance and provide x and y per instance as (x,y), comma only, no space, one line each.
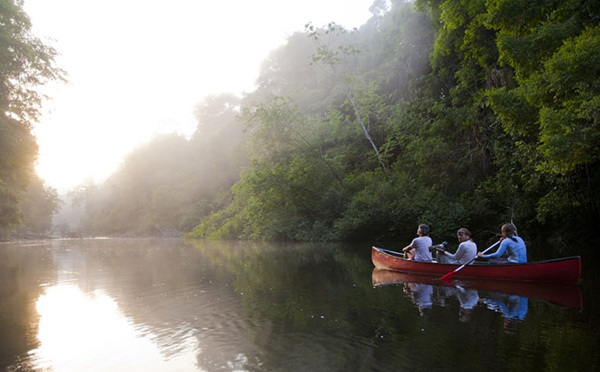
(144,73)
(79,332)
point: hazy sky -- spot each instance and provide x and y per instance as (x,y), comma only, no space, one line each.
(137,67)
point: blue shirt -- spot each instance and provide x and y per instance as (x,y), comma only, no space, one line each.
(515,309)
(517,252)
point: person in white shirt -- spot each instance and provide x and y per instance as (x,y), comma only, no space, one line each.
(467,250)
(418,249)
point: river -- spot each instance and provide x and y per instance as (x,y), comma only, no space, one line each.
(176,305)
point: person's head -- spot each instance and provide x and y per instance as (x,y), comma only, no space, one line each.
(508,230)
(463,234)
(423,230)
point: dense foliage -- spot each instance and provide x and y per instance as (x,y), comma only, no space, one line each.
(25,64)
(451,113)
(483,112)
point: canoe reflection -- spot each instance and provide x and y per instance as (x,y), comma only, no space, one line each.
(508,297)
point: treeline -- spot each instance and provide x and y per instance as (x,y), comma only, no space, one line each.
(169,185)
(441,112)
(26,63)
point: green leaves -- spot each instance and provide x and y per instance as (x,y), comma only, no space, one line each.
(565,93)
(25,64)
(553,112)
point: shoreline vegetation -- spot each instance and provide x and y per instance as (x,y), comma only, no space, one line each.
(431,112)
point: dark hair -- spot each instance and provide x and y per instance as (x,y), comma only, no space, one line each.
(424,229)
(510,231)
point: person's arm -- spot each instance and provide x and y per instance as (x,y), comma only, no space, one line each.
(409,247)
(459,252)
(499,252)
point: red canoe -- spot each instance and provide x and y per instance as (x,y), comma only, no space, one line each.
(562,270)
(566,294)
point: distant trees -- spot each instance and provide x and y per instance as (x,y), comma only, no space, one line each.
(39,205)
(166,186)
(25,64)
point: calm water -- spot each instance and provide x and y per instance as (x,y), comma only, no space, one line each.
(169,305)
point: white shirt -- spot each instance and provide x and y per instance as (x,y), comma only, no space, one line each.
(466,251)
(421,246)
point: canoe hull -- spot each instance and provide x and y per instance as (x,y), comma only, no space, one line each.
(563,270)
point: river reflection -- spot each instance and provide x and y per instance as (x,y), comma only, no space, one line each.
(467,298)
(118,305)
(508,298)
(174,305)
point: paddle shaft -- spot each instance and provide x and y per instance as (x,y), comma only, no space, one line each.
(470,261)
(392,252)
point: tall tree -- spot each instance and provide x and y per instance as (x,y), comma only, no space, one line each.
(342,59)
(26,63)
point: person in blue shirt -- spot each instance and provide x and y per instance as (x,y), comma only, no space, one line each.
(511,243)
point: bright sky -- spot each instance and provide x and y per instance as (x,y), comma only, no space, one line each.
(137,67)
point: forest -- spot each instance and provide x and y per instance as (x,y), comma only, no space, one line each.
(26,204)
(451,113)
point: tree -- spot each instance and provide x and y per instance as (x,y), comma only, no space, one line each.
(552,111)
(38,207)
(342,59)
(25,64)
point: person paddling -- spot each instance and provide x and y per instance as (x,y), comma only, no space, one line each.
(517,251)
(467,250)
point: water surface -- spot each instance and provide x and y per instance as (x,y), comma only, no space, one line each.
(158,305)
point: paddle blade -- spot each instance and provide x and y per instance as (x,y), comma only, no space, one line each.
(447,280)
(448,276)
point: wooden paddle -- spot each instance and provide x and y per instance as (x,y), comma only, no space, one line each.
(449,275)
